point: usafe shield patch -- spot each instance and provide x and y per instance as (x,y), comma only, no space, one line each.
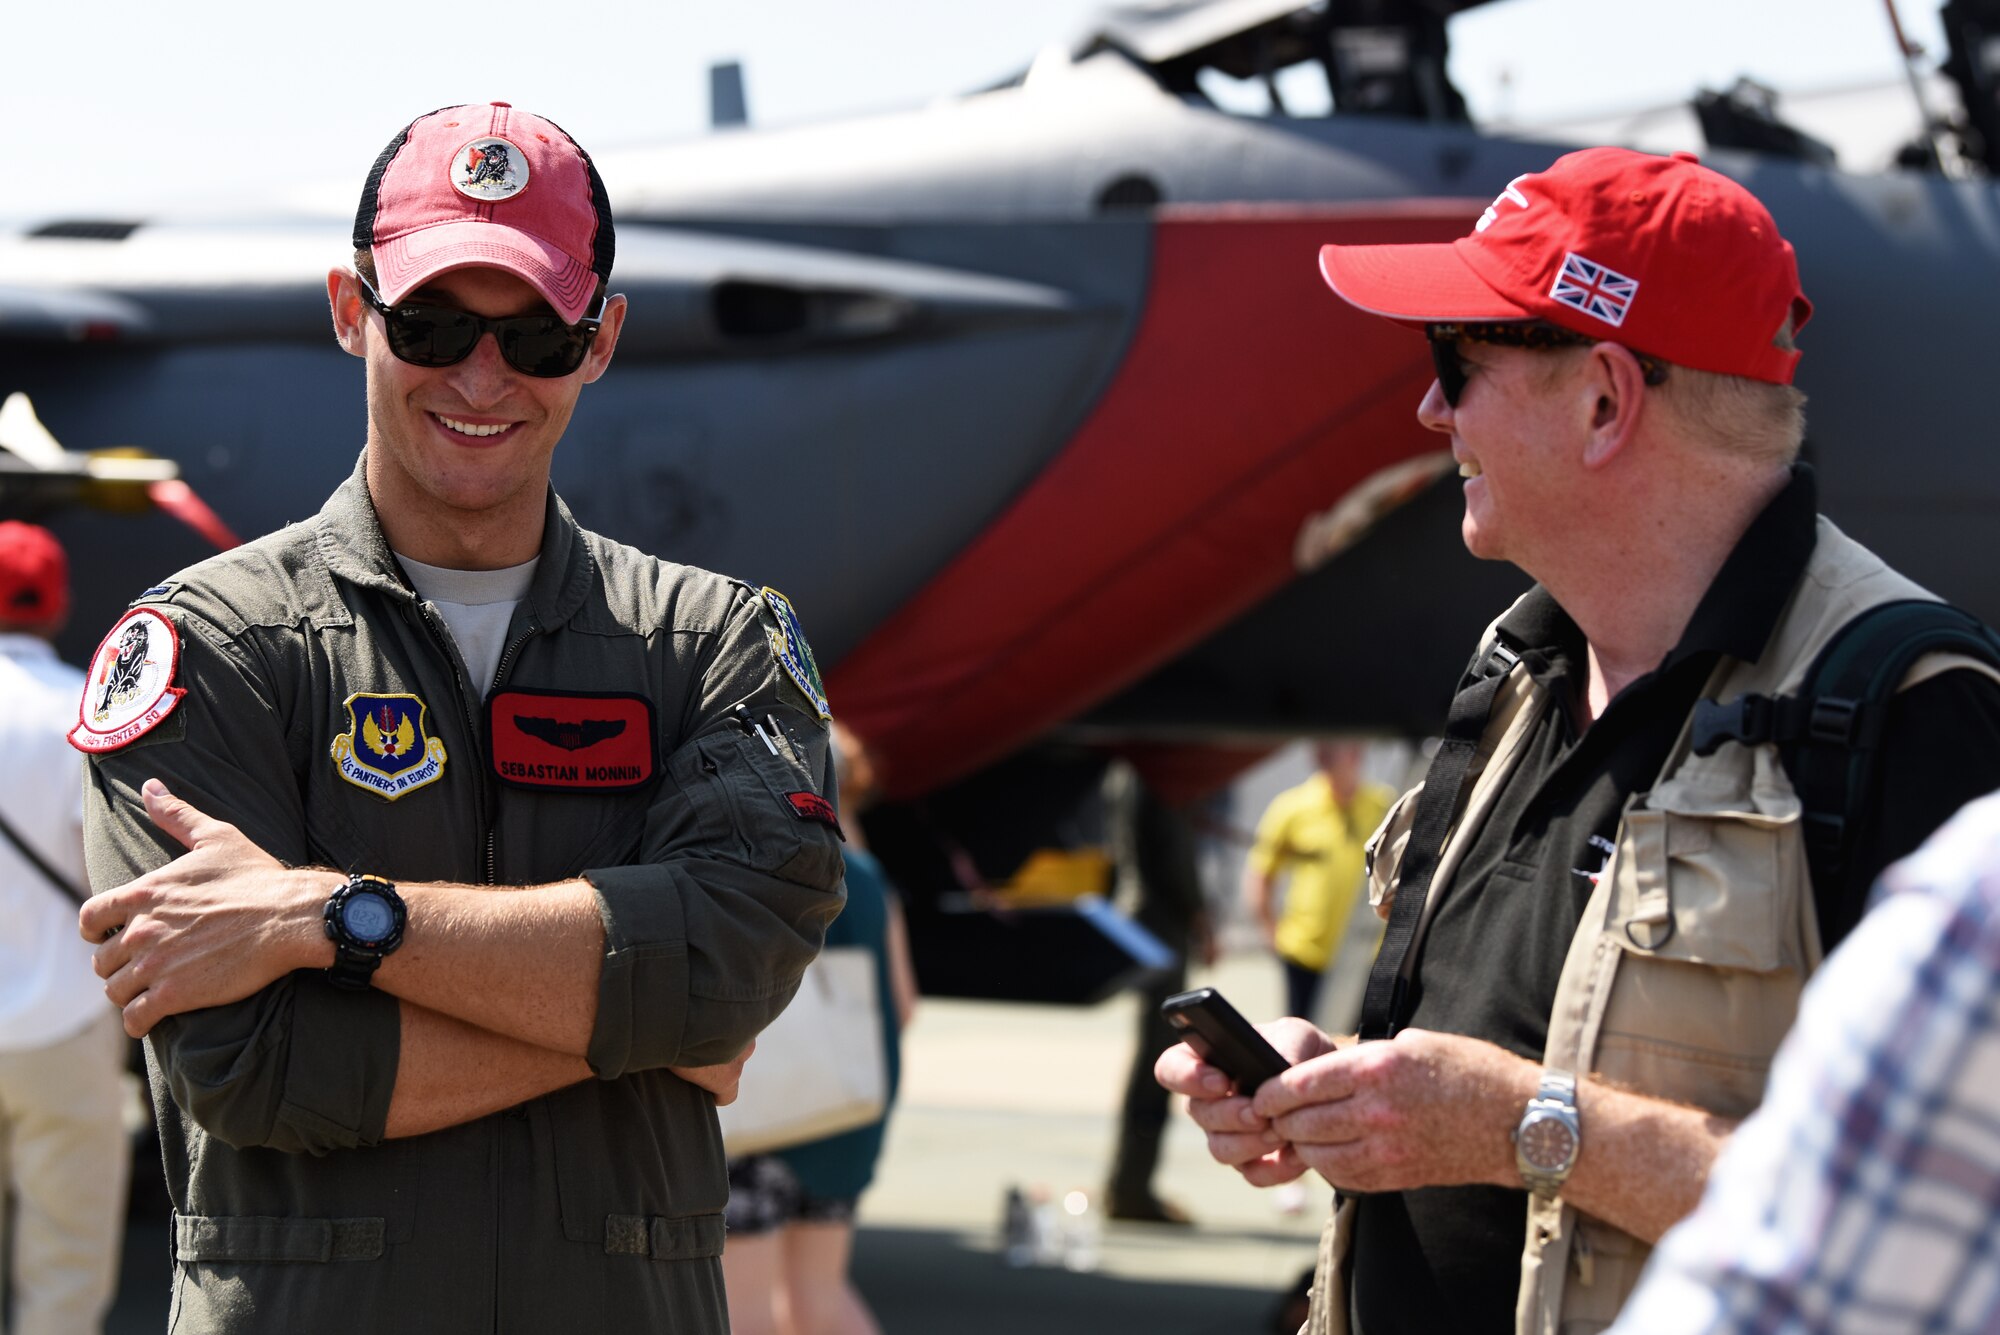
(788,644)
(572,741)
(386,748)
(131,684)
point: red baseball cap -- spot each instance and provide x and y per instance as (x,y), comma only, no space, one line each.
(34,576)
(487,185)
(1658,253)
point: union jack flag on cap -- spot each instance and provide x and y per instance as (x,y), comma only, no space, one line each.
(1593,289)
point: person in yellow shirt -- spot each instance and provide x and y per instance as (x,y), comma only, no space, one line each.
(1313,835)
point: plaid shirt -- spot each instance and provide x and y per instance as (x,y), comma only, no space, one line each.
(1862,1195)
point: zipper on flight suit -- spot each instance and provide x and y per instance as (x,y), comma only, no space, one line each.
(493,796)
(441,639)
(488,798)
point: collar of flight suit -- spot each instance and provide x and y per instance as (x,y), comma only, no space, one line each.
(351,542)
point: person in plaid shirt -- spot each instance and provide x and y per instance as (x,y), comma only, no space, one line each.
(1861,1195)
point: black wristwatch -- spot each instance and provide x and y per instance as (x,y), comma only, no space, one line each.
(364,920)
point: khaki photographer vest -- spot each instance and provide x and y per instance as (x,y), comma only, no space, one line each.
(1685,972)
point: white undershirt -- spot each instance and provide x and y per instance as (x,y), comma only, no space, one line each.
(476,606)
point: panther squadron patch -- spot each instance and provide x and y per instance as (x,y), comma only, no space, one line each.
(385,748)
(788,645)
(131,683)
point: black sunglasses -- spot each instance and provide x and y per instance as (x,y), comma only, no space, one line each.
(537,345)
(1537,335)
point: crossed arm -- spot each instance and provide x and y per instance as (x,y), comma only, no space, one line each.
(1428,1109)
(498,987)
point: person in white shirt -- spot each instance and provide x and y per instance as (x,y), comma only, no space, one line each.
(64,1156)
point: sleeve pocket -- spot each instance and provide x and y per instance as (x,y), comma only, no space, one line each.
(754,788)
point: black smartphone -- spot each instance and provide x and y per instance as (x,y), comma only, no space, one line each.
(1217,1030)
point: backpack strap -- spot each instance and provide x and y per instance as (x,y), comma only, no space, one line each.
(1385,1005)
(1829,731)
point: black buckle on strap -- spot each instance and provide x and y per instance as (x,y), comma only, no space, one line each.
(1749,719)
(1834,720)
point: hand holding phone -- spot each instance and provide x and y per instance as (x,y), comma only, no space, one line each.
(1221,1036)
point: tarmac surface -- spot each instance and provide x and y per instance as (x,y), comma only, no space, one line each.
(999,1095)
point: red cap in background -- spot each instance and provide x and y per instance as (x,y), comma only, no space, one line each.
(1660,254)
(487,185)
(34,577)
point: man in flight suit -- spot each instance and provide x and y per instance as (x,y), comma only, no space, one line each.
(450,856)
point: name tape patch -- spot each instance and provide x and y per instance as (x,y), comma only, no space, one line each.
(813,807)
(130,687)
(387,749)
(572,741)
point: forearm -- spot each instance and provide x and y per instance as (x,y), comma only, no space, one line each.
(452,1072)
(522,964)
(1644,1160)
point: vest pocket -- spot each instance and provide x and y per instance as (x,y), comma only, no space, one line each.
(1705,909)
(1716,888)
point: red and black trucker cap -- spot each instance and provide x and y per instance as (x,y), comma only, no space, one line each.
(487,185)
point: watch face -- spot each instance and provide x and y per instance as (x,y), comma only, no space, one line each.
(1547,1143)
(367,917)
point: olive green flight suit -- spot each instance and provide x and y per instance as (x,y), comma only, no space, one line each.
(598,1207)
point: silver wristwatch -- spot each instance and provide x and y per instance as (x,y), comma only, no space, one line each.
(1550,1135)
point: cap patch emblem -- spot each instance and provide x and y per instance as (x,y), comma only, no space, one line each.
(489,169)
(1601,293)
(130,687)
(385,748)
(788,645)
(1512,194)
(572,741)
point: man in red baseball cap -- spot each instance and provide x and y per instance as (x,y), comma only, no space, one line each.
(1603,898)
(63,1087)
(390,1097)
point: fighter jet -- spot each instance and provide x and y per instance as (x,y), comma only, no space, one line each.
(1033,403)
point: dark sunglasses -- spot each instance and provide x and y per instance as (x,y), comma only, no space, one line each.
(1537,335)
(537,345)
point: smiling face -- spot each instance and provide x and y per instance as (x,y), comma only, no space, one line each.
(458,456)
(1513,434)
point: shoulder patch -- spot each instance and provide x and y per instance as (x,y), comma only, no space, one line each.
(159,593)
(789,647)
(130,688)
(386,748)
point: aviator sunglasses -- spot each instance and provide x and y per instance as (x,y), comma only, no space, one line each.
(538,345)
(1537,335)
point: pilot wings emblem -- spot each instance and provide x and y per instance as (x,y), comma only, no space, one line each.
(570,736)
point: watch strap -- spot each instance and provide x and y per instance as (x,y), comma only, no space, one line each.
(1554,1100)
(355,961)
